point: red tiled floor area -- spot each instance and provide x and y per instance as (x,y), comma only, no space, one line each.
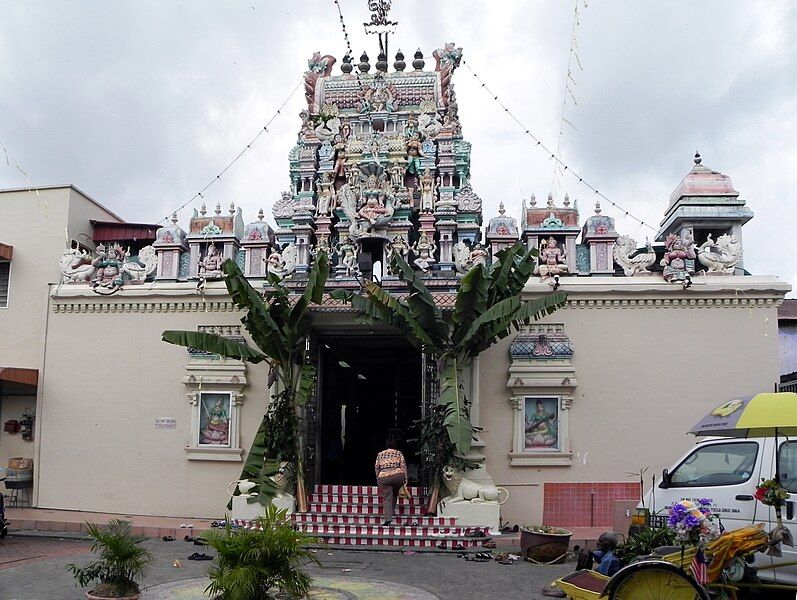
(584,504)
(17,551)
(45,519)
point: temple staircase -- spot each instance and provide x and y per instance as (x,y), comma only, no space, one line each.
(351,516)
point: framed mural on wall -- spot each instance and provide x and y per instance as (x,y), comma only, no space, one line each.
(215,415)
(541,423)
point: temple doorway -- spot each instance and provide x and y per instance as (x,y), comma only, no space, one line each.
(370,389)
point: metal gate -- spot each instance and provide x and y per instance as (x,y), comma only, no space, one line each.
(312,417)
(430,392)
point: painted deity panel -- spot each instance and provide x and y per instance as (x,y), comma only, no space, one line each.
(214,419)
(541,417)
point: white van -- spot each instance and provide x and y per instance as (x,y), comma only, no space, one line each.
(726,471)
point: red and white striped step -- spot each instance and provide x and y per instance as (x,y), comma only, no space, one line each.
(390,530)
(343,515)
(372,499)
(369,490)
(375,519)
(362,508)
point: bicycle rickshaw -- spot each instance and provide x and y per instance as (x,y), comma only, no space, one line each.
(668,574)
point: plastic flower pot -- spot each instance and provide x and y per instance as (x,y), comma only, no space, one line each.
(544,545)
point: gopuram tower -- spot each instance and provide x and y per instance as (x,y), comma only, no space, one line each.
(380,165)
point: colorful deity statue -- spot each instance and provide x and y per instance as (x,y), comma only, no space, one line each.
(478,256)
(108,266)
(414,155)
(347,254)
(217,426)
(552,261)
(373,195)
(326,194)
(411,130)
(677,251)
(210,264)
(400,246)
(424,251)
(427,191)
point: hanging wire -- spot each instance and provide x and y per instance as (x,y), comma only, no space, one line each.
(243,151)
(30,188)
(355,70)
(552,155)
(568,92)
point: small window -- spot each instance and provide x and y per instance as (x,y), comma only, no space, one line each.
(5,272)
(787,466)
(717,464)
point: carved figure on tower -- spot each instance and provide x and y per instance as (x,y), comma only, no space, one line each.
(380,96)
(210,264)
(427,191)
(414,155)
(326,194)
(552,260)
(347,254)
(676,252)
(424,249)
(109,263)
(317,66)
(400,246)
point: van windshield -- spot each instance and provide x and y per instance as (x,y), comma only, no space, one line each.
(717,464)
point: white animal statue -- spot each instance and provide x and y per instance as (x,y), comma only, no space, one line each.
(633,262)
(76,266)
(462,257)
(462,489)
(139,272)
(720,256)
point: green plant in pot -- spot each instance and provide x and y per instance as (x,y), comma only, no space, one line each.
(121,560)
(267,561)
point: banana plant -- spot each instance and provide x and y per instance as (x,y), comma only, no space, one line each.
(280,329)
(488,307)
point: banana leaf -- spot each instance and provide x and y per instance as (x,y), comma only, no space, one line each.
(210,342)
(471,300)
(499,319)
(265,331)
(422,303)
(456,417)
(405,317)
(314,292)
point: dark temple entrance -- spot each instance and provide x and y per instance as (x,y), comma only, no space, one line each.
(370,388)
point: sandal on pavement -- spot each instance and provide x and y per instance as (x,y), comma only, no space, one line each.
(199,556)
(168,538)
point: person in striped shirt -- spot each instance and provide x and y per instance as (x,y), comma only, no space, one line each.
(391,474)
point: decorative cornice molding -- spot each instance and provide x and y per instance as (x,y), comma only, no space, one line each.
(735,302)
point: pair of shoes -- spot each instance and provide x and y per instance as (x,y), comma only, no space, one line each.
(509,529)
(218,523)
(387,522)
(490,544)
(457,546)
(186,525)
(198,556)
(476,533)
(167,538)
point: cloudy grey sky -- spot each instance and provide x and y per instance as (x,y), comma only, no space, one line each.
(141,103)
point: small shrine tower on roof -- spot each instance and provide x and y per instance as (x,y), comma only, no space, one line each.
(706,208)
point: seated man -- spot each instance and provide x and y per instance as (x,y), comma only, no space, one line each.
(608,562)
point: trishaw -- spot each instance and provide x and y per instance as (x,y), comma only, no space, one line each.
(667,574)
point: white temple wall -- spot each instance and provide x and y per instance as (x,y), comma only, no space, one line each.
(107,378)
(645,376)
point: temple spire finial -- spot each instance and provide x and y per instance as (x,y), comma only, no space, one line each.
(501,209)
(380,25)
(698,158)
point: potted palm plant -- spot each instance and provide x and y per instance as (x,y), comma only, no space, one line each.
(121,560)
(259,562)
